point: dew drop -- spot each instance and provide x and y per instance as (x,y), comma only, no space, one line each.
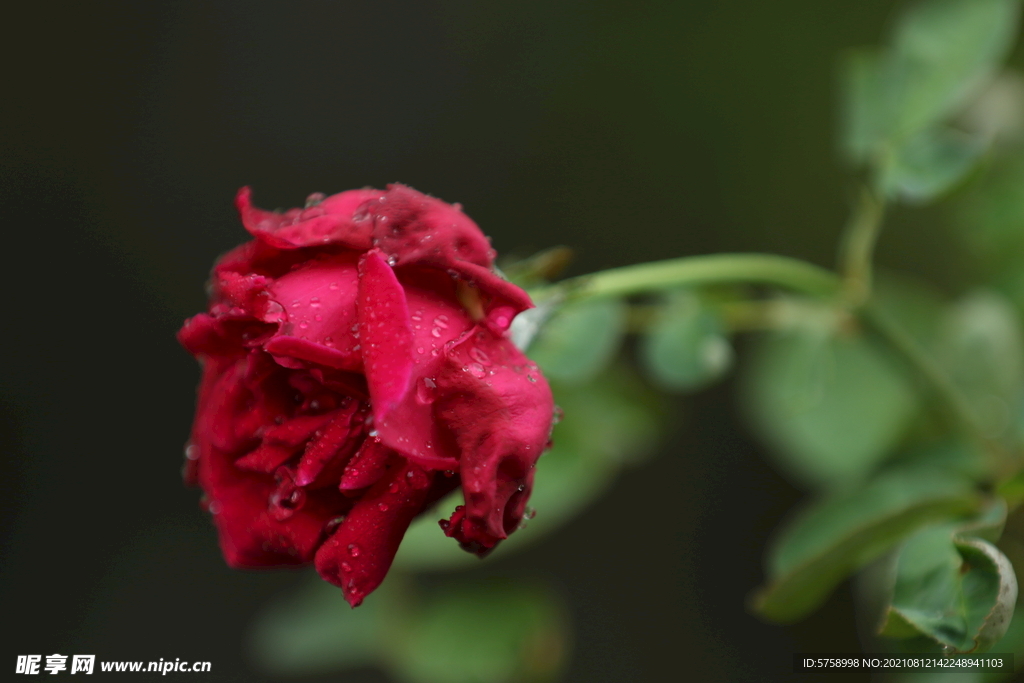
(441,321)
(333,286)
(531,378)
(477,370)
(425,391)
(392,260)
(303,325)
(557,415)
(314,199)
(479,356)
(214,507)
(274,313)
(192,451)
(353,550)
(529,513)
(346,567)
(436,332)
(383,507)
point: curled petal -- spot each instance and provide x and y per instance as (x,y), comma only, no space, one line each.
(334,221)
(358,555)
(367,466)
(498,407)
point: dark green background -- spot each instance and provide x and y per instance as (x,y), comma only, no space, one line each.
(630,131)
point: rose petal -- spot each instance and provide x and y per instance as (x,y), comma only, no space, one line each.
(359,554)
(385,333)
(319,300)
(325,456)
(499,407)
(331,222)
(367,466)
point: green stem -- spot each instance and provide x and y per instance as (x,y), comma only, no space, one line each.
(791,274)
(858,248)
(689,271)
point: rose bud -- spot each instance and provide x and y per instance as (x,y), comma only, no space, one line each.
(356,369)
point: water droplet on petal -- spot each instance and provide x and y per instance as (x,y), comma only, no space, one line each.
(441,321)
(333,286)
(314,302)
(303,325)
(477,370)
(192,451)
(479,356)
(557,416)
(274,313)
(314,199)
(346,567)
(353,550)
(425,391)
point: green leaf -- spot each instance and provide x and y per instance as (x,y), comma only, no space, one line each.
(686,349)
(832,407)
(611,422)
(917,306)
(833,537)
(929,163)
(896,98)
(493,632)
(314,630)
(955,589)
(579,340)
(943,51)
(982,348)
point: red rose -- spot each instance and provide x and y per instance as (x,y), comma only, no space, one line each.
(355,370)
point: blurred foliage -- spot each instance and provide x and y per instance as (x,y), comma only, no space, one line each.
(493,631)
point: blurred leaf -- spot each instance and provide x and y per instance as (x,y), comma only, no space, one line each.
(831,407)
(982,348)
(957,590)
(314,630)
(944,49)
(485,633)
(482,632)
(930,163)
(917,306)
(941,52)
(609,422)
(685,349)
(831,538)
(991,218)
(579,340)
